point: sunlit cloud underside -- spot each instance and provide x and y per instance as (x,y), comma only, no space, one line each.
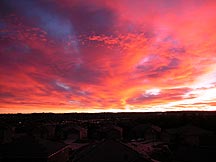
(107,56)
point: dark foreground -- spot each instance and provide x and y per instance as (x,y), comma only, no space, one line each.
(109,137)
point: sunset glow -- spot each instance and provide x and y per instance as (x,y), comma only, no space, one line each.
(107,55)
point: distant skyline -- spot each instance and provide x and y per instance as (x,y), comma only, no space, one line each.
(107,55)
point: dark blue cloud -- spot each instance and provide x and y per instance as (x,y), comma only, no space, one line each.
(88,19)
(174,63)
(2,25)
(19,55)
(44,16)
(81,74)
(6,95)
(177,50)
(149,67)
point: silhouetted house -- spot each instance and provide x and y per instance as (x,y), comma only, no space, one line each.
(23,130)
(112,132)
(74,132)
(51,130)
(83,133)
(168,135)
(44,131)
(120,130)
(108,151)
(146,132)
(6,134)
(34,150)
(191,135)
(108,132)
(151,149)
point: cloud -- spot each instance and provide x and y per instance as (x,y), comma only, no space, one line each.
(107,55)
(153,91)
(62,85)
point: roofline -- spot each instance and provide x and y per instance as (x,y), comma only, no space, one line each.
(58,151)
(127,147)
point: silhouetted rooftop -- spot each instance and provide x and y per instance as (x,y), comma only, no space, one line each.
(108,151)
(29,147)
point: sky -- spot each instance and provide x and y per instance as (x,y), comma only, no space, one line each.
(107,55)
